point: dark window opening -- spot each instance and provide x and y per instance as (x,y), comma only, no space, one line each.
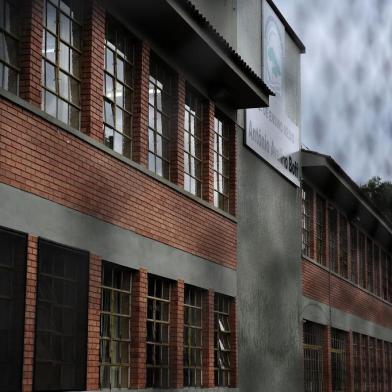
(333,238)
(339,360)
(12,301)
(307,219)
(61,324)
(320,231)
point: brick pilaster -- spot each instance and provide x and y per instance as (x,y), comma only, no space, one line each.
(94,308)
(208,151)
(327,359)
(233,343)
(208,339)
(233,169)
(30,51)
(177,132)
(140,107)
(350,362)
(313,250)
(326,236)
(338,269)
(93,70)
(177,335)
(30,311)
(138,329)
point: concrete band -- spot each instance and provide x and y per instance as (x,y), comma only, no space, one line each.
(320,313)
(34,215)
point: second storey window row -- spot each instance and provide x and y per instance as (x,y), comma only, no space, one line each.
(343,247)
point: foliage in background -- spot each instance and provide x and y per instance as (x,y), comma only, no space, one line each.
(380,193)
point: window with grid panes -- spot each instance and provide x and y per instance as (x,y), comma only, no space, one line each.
(362,260)
(369,264)
(158,325)
(61,51)
(320,230)
(339,360)
(357,362)
(384,278)
(222,341)
(115,326)
(343,246)
(118,94)
(221,163)
(354,252)
(313,357)
(307,214)
(380,367)
(333,238)
(387,367)
(193,337)
(365,363)
(61,325)
(9,45)
(193,142)
(12,300)
(159,113)
(372,365)
(376,256)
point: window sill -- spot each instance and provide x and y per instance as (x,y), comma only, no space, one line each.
(100,146)
(346,280)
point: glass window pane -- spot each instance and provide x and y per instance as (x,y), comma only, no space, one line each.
(74,117)
(50,103)
(64,85)
(50,50)
(75,63)
(75,35)
(51,17)
(64,57)
(108,137)
(62,110)
(65,28)
(74,91)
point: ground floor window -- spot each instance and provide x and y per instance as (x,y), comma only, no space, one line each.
(61,326)
(115,326)
(313,357)
(12,300)
(339,360)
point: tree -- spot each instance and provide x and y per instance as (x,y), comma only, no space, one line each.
(380,193)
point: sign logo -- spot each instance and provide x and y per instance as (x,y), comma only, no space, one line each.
(274,49)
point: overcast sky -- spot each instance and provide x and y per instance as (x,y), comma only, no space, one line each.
(346,81)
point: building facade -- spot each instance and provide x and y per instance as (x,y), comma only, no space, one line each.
(118,189)
(346,278)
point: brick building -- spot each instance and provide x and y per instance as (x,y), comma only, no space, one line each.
(347,283)
(118,239)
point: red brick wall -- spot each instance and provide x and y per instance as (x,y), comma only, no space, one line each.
(344,295)
(30,310)
(40,158)
(94,309)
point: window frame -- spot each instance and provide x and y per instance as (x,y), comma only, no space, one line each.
(111,314)
(307,219)
(56,63)
(339,361)
(14,36)
(128,60)
(320,230)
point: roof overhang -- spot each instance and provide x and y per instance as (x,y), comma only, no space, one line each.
(325,173)
(177,28)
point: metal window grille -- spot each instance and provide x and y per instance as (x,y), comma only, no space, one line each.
(313,357)
(119,85)
(115,326)
(333,238)
(9,44)
(61,323)
(343,246)
(61,53)
(158,325)
(222,341)
(221,163)
(365,364)
(193,337)
(339,360)
(193,142)
(369,264)
(377,270)
(307,216)
(362,260)
(12,299)
(380,367)
(389,278)
(320,230)
(388,361)
(354,253)
(384,276)
(159,113)
(357,362)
